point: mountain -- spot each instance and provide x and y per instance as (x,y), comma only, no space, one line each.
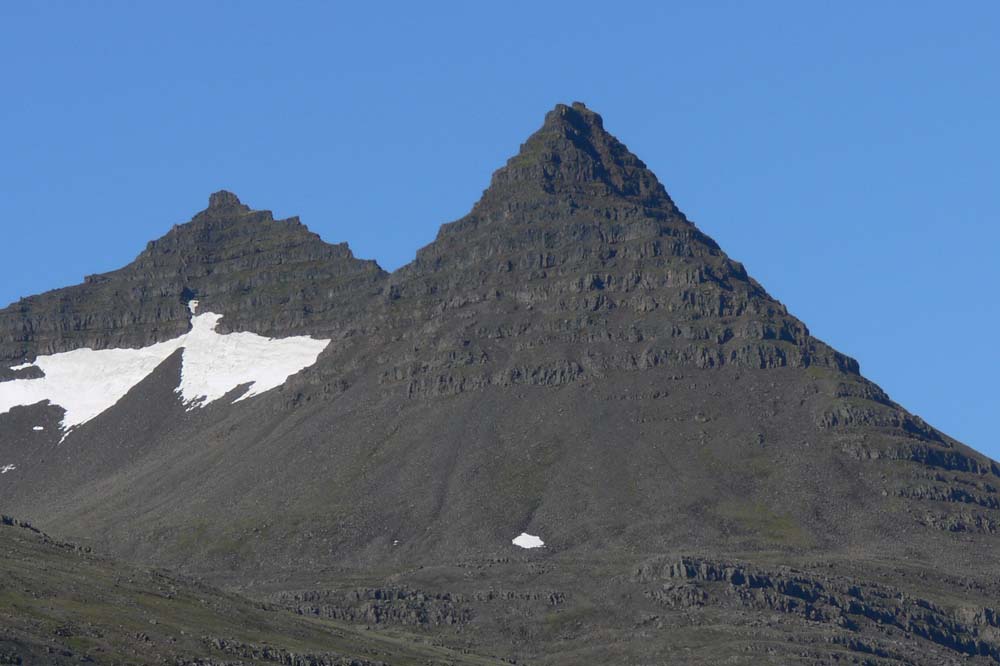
(573,363)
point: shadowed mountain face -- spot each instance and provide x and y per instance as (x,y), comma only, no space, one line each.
(573,359)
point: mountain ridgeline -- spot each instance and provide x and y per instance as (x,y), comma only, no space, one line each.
(573,359)
(269,276)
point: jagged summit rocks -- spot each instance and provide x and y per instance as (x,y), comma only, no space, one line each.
(572,154)
(225,200)
(574,358)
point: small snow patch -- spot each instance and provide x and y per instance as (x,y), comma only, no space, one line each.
(38,428)
(23,366)
(7,468)
(193,306)
(525,540)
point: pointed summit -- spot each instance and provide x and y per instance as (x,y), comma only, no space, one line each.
(570,172)
(572,154)
(223,200)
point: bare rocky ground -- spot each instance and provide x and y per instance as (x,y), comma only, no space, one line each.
(574,359)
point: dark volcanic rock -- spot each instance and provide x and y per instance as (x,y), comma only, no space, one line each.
(273,277)
(577,243)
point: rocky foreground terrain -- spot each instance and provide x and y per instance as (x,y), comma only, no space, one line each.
(62,604)
(575,360)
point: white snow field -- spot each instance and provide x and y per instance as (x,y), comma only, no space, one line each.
(85,382)
(525,540)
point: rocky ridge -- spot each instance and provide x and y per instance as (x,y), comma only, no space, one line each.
(272,277)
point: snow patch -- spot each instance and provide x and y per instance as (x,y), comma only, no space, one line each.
(7,468)
(87,382)
(193,306)
(525,540)
(215,364)
(38,428)
(23,366)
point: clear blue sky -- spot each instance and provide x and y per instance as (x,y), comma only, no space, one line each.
(846,152)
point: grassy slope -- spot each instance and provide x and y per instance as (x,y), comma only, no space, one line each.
(61,605)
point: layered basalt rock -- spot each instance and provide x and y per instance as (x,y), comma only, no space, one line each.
(868,617)
(272,277)
(576,244)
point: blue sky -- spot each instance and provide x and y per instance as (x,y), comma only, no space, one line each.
(846,152)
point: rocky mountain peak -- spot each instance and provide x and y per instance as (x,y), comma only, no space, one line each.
(264,275)
(223,199)
(573,155)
